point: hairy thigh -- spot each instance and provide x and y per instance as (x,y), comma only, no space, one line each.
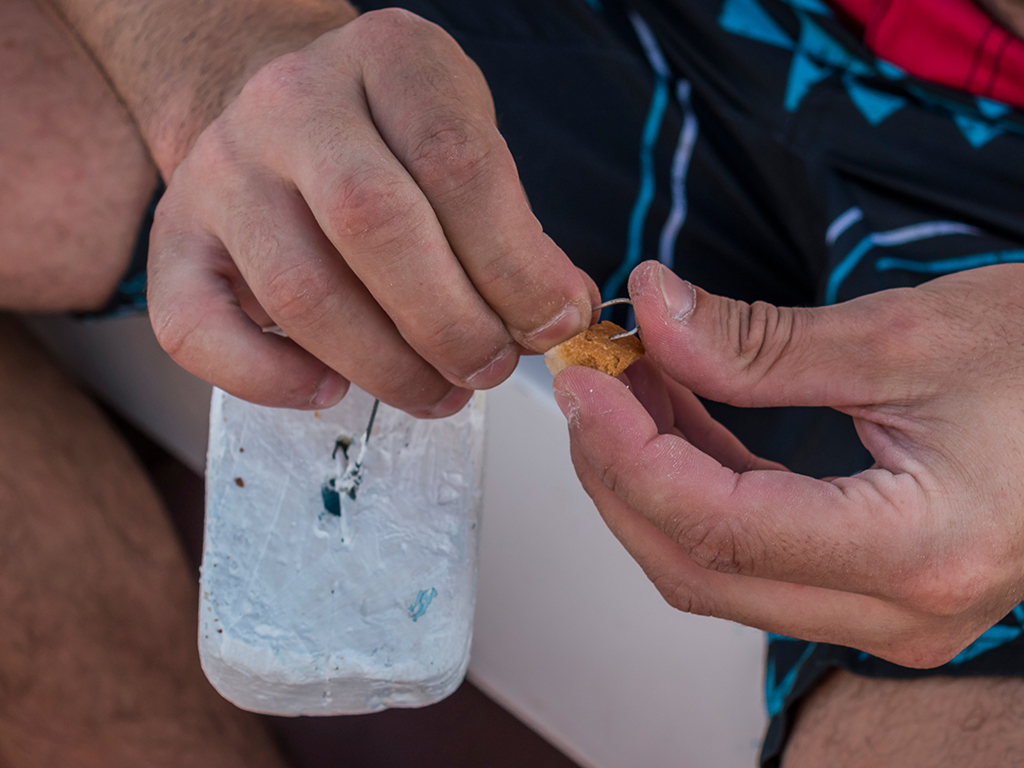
(856,722)
(75,177)
(98,658)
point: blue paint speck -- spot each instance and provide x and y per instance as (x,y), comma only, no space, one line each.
(331,497)
(421,603)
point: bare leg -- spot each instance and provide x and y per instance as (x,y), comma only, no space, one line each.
(98,664)
(98,660)
(74,176)
(855,722)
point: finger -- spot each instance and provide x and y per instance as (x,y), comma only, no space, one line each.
(809,613)
(198,321)
(438,119)
(595,301)
(707,435)
(305,287)
(866,351)
(379,221)
(844,535)
(676,410)
(648,387)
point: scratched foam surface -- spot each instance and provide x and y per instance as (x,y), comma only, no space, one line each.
(315,602)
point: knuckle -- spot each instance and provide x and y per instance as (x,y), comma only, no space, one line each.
(513,278)
(451,153)
(213,157)
(175,331)
(298,295)
(712,546)
(761,335)
(278,82)
(400,39)
(526,293)
(460,341)
(447,335)
(367,204)
(386,25)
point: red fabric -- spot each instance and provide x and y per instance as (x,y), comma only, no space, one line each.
(952,42)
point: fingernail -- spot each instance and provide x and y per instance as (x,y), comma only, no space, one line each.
(330,391)
(678,294)
(567,404)
(451,403)
(495,372)
(567,322)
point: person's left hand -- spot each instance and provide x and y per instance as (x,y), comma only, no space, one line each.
(910,560)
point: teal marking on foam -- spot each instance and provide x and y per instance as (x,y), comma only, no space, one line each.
(1018,613)
(775,694)
(748,19)
(949,266)
(977,132)
(993,637)
(876,106)
(803,74)
(595,5)
(421,603)
(331,497)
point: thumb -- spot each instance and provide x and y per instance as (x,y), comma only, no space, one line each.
(759,355)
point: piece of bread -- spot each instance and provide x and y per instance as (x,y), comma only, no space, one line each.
(595,349)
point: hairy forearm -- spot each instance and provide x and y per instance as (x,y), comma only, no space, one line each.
(1010,13)
(177,63)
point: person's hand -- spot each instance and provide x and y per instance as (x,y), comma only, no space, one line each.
(357,194)
(909,560)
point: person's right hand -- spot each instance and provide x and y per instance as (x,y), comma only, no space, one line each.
(357,193)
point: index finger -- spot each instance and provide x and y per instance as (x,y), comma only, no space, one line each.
(438,121)
(848,534)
